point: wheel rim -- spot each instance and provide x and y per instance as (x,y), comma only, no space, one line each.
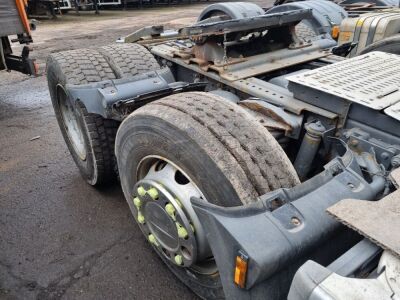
(164,213)
(70,122)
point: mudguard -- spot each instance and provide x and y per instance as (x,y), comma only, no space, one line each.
(278,240)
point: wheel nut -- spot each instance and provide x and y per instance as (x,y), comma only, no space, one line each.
(153,193)
(182,232)
(178,259)
(170,210)
(137,202)
(152,239)
(141,191)
(140,218)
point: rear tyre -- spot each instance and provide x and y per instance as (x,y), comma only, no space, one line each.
(194,144)
(129,59)
(89,137)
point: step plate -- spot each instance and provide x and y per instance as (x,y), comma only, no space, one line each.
(371,80)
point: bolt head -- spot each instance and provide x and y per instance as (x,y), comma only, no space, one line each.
(141,191)
(178,259)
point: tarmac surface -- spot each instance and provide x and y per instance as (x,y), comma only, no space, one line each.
(59,237)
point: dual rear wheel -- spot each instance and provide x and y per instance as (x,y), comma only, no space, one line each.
(182,146)
(90,138)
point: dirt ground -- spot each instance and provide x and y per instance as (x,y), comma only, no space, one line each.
(59,237)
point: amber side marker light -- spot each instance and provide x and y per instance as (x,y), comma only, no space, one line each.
(241,269)
(335,32)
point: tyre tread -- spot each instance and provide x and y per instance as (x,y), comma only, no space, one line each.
(129,59)
(263,165)
(84,66)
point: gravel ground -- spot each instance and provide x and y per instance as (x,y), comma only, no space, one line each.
(59,237)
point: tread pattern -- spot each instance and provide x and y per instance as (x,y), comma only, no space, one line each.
(252,159)
(83,66)
(102,137)
(129,59)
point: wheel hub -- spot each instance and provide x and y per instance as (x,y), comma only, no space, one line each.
(161,202)
(161,225)
(162,219)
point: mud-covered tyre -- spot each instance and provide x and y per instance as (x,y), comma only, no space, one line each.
(89,137)
(128,59)
(220,150)
(388,45)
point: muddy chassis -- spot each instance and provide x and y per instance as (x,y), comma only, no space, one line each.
(236,138)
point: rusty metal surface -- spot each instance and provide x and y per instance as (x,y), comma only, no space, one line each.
(253,23)
(252,86)
(268,122)
(210,56)
(275,117)
(277,95)
(240,68)
(378,221)
(268,62)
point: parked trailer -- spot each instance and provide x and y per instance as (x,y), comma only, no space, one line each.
(15,27)
(231,139)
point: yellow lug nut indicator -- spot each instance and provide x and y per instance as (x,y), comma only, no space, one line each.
(182,232)
(170,209)
(137,202)
(153,240)
(178,259)
(153,193)
(141,191)
(140,218)
(159,210)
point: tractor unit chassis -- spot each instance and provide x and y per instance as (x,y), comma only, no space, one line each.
(238,112)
